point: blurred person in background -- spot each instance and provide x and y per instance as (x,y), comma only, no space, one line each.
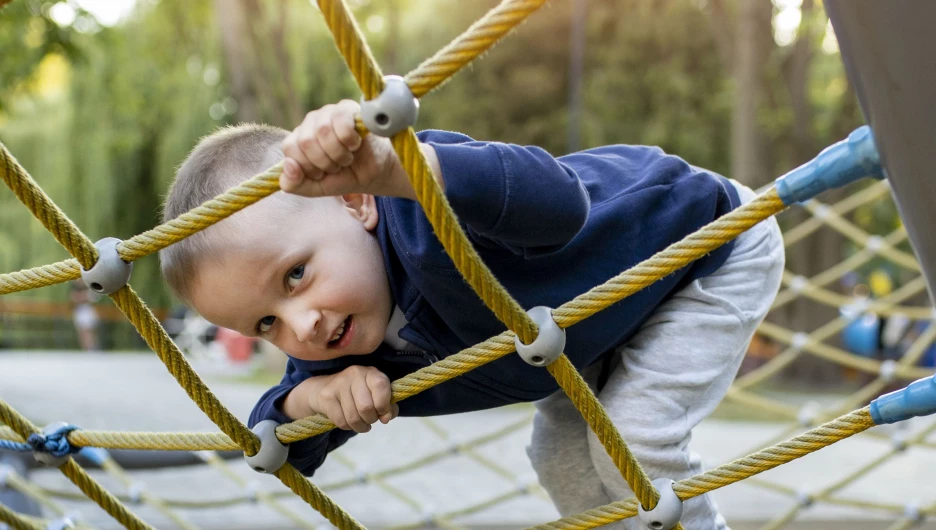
(84,315)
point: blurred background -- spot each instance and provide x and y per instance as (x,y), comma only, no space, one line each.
(100,100)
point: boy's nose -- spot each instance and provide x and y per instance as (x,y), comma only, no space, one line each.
(306,325)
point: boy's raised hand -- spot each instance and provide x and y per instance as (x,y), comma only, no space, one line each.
(325,155)
(354,398)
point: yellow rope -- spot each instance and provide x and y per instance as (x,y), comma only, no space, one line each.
(157,339)
(156,441)
(453,238)
(41,206)
(17,521)
(155,336)
(353,47)
(314,496)
(222,206)
(75,473)
(36,277)
(590,408)
(669,260)
(673,258)
(360,61)
(113,469)
(766,459)
(477,39)
(822,436)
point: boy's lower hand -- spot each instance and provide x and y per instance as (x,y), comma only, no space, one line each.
(354,398)
(325,156)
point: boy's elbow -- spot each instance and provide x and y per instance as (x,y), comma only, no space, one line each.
(558,222)
(569,218)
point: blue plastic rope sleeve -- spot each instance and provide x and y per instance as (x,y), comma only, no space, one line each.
(10,445)
(94,454)
(917,399)
(837,165)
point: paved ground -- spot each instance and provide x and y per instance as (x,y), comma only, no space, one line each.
(135,392)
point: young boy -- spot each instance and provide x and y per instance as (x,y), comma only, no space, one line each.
(346,276)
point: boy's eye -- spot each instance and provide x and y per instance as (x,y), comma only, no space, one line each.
(295,276)
(265,323)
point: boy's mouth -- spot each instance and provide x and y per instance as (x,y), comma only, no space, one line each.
(342,335)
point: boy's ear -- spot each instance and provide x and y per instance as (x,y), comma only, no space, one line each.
(362,207)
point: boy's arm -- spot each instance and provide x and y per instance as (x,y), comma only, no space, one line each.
(306,455)
(520,197)
(352,399)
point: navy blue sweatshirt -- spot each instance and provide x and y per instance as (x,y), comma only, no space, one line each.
(549,229)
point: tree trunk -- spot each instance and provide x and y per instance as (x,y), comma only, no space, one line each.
(391,53)
(232,19)
(752,48)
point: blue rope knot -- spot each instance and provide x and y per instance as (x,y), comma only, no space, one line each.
(54,443)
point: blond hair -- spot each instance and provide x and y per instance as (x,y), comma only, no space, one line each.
(218,162)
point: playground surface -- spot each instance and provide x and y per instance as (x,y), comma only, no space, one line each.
(134,392)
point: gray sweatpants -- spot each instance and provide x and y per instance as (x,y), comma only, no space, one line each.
(665,380)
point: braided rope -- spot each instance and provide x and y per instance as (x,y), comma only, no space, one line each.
(42,207)
(74,472)
(17,521)
(476,40)
(157,339)
(156,441)
(352,46)
(766,459)
(590,408)
(37,277)
(209,213)
(430,74)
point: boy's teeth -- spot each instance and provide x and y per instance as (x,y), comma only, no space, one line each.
(338,333)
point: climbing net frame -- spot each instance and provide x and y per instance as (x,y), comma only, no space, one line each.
(236,436)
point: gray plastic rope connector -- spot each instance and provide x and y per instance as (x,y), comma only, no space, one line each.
(61,524)
(272,453)
(550,342)
(393,110)
(668,510)
(110,273)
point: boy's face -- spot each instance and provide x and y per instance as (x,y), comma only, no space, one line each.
(309,280)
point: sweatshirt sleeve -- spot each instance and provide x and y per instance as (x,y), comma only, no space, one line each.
(519,197)
(306,455)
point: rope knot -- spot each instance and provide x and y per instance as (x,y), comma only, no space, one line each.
(51,446)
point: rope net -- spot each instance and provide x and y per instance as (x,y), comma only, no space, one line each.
(831,424)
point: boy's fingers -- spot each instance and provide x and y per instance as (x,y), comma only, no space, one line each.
(315,153)
(381,392)
(291,150)
(355,422)
(334,149)
(363,401)
(291,177)
(345,131)
(394,412)
(335,413)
